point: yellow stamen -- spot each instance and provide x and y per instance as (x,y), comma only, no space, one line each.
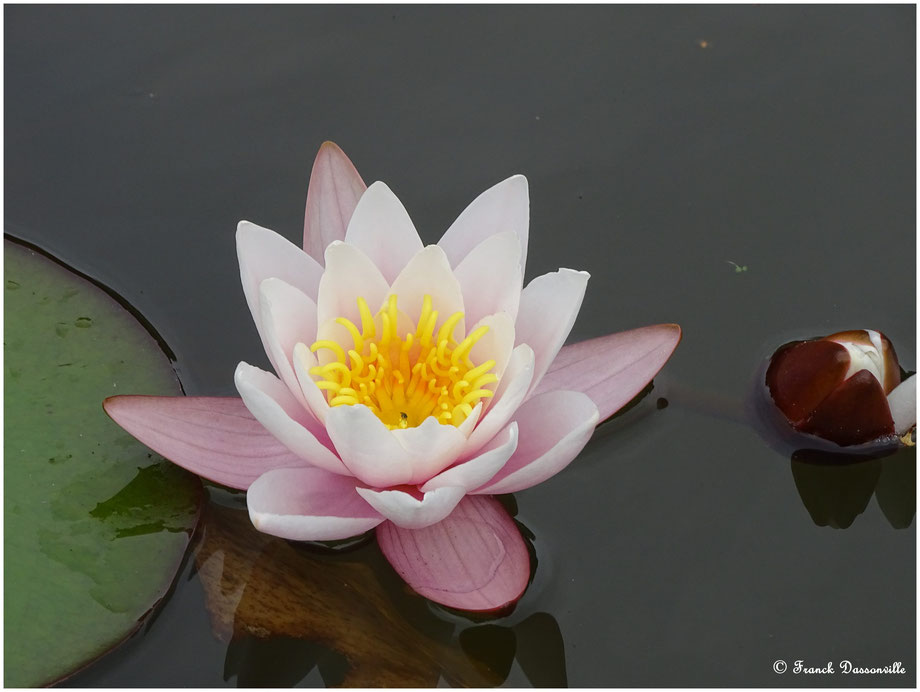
(405,378)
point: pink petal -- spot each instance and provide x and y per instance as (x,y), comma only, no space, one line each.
(512,388)
(262,254)
(288,318)
(552,429)
(349,274)
(549,306)
(382,229)
(903,404)
(429,273)
(490,277)
(409,512)
(503,207)
(481,468)
(214,437)
(308,504)
(612,369)
(334,190)
(270,402)
(474,560)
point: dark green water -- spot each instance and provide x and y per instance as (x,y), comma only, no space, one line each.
(661,145)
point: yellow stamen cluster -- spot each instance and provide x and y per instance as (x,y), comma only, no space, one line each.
(404,380)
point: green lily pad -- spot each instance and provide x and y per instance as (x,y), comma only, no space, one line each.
(95,525)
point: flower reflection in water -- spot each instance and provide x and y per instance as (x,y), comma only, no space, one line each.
(288,610)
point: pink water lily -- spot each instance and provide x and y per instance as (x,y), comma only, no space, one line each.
(411,385)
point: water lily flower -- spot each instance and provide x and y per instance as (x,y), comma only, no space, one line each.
(411,384)
(845,388)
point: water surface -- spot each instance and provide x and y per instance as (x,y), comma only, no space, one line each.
(661,145)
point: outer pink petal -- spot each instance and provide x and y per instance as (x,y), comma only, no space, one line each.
(503,207)
(349,274)
(334,190)
(549,306)
(308,504)
(262,254)
(215,437)
(512,388)
(480,469)
(270,402)
(409,512)
(382,229)
(612,369)
(474,560)
(553,428)
(288,318)
(490,277)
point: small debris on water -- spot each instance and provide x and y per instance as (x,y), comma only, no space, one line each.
(738,268)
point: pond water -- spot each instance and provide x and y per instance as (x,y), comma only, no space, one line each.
(747,172)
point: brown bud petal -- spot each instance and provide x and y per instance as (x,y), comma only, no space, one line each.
(854,413)
(802,374)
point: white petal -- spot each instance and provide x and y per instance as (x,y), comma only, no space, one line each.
(382,229)
(553,428)
(903,404)
(512,389)
(308,504)
(503,207)
(490,277)
(270,403)
(496,344)
(431,447)
(549,306)
(304,360)
(288,318)
(429,273)
(367,447)
(480,469)
(469,423)
(349,274)
(865,358)
(262,254)
(408,512)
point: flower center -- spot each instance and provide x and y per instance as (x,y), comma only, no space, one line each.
(405,379)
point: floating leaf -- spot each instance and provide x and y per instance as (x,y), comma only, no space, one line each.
(95,526)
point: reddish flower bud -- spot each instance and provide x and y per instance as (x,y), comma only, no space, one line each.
(837,388)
